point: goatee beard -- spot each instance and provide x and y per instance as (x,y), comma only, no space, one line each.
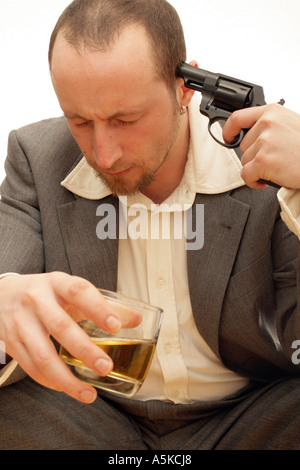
(118,188)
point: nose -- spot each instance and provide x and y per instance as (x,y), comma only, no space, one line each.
(107,146)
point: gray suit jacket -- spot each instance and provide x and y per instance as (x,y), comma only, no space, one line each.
(242,281)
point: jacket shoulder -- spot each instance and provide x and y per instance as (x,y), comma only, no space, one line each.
(54,131)
(45,143)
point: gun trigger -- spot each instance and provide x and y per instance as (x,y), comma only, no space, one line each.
(234,144)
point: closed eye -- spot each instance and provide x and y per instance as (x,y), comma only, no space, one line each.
(127,123)
(82,124)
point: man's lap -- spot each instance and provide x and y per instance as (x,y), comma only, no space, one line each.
(32,417)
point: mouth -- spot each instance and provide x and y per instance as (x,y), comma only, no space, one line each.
(118,173)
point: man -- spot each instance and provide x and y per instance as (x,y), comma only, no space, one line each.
(132,134)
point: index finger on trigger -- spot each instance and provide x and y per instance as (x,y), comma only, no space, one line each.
(241,119)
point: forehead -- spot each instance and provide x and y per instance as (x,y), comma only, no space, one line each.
(122,73)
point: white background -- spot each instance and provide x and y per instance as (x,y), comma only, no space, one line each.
(255,40)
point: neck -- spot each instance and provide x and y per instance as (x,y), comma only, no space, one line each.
(169,175)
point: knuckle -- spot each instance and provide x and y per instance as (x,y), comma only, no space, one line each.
(84,351)
(30,297)
(269,117)
(77,286)
(265,121)
(56,276)
(263,143)
(43,360)
(261,158)
(60,325)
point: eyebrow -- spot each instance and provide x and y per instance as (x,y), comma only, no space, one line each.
(117,114)
(74,116)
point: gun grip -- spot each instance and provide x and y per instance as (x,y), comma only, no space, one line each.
(269,183)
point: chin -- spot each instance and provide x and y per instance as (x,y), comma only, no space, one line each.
(121,187)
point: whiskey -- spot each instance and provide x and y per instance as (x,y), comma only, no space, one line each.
(131,358)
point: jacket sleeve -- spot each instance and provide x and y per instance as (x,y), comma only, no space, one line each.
(21,247)
(11,373)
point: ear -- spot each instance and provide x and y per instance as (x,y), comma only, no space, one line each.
(186,94)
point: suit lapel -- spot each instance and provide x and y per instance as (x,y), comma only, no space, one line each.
(89,256)
(209,268)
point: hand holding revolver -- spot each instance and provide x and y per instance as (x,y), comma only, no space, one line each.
(271,148)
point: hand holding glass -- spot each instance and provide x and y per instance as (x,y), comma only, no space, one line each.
(131,349)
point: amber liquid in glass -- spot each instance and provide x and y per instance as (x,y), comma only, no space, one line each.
(131,358)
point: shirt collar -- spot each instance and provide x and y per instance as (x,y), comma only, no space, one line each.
(210,169)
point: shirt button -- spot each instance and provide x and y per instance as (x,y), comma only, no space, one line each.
(168,348)
(160,283)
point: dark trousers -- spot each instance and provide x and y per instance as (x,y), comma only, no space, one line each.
(36,418)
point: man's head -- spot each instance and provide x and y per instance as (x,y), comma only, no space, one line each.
(96,25)
(122,107)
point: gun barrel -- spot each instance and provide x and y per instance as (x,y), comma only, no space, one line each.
(194,77)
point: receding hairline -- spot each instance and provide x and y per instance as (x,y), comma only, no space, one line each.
(82,48)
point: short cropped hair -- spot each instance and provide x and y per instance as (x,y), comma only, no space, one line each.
(96,24)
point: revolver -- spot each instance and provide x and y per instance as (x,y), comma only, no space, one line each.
(221,96)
